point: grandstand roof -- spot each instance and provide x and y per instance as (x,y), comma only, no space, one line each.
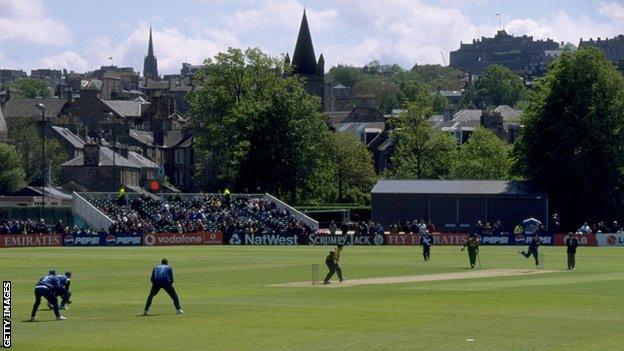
(464,187)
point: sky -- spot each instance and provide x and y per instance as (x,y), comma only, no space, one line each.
(81,35)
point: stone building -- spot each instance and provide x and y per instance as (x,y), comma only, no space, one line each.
(522,55)
(101,169)
(613,48)
(305,65)
(150,64)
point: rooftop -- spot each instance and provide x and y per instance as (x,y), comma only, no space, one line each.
(461,187)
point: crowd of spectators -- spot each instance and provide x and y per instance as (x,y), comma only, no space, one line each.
(416,226)
(357,228)
(200,213)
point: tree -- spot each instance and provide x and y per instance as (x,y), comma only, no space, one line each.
(30,88)
(12,177)
(421,152)
(498,86)
(351,167)
(345,75)
(257,128)
(385,90)
(24,135)
(573,142)
(483,156)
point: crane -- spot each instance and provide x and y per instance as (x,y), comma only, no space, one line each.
(443,58)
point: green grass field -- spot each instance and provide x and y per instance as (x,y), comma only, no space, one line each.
(229,305)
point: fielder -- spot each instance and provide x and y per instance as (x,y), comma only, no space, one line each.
(426,240)
(473,249)
(571,245)
(162,278)
(65,282)
(47,287)
(333,264)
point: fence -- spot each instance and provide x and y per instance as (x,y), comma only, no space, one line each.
(89,213)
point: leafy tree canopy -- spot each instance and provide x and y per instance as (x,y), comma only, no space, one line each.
(12,177)
(573,141)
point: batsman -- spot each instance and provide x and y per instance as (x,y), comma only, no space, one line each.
(333,264)
(473,249)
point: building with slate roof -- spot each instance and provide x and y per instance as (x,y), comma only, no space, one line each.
(101,169)
(14,109)
(457,205)
(613,48)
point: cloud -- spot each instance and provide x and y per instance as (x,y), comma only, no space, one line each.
(282,16)
(172,47)
(612,10)
(26,21)
(414,31)
(69,60)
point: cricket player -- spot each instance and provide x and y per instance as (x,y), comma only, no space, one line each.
(162,278)
(333,264)
(47,287)
(426,240)
(533,250)
(473,249)
(571,245)
(65,294)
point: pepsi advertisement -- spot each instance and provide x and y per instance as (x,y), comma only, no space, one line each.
(101,240)
(512,239)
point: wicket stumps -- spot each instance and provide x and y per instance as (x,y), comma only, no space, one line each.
(315,274)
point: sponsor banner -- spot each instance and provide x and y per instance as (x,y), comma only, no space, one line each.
(521,239)
(262,239)
(120,240)
(349,239)
(162,239)
(438,239)
(30,240)
(81,240)
(512,239)
(584,240)
(610,239)
(213,238)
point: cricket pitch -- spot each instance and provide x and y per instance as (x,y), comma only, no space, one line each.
(487,273)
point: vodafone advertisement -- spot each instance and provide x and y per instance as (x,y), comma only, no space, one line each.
(165,239)
(438,239)
(30,240)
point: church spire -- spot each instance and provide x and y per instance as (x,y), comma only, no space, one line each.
(150,47)
(150,64)
(304,60)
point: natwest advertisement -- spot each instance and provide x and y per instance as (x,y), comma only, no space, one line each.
(30,240)
(163,239)
(262,239)
(438,239)
(614,239)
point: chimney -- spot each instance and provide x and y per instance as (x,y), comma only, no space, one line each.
(449,112)
(91,154)
(159,134)
(122,150)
